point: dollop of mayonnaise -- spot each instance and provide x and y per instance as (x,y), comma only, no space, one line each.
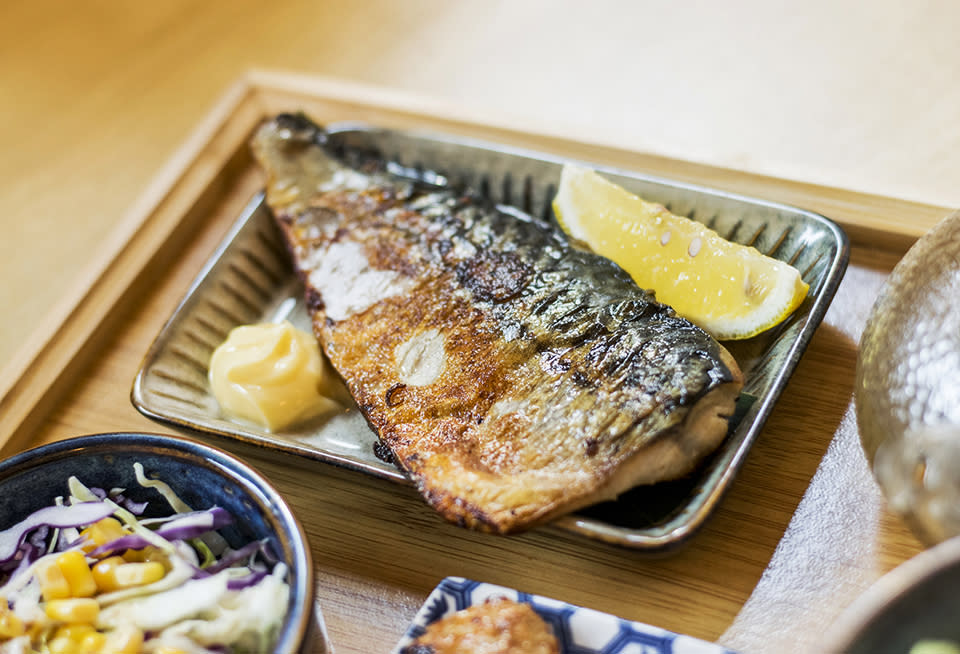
(273,375)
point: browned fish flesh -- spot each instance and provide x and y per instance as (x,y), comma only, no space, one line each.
(513,376)
(497,626)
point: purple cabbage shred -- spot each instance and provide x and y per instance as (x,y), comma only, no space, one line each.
(183,527)
(75,515)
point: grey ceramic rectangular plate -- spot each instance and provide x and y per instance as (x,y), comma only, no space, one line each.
(249,279)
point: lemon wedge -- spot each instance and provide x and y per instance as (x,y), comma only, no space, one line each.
(732,291)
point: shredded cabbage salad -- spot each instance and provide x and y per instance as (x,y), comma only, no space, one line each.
(90,574)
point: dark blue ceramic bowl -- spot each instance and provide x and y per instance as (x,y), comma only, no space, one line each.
(201,475)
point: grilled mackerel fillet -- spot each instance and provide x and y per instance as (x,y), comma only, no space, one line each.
(513,377)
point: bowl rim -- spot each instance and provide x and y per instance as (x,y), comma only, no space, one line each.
(887,590)
(298,623)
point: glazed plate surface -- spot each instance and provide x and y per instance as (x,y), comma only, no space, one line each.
(250,279)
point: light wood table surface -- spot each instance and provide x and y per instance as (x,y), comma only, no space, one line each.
(96,96)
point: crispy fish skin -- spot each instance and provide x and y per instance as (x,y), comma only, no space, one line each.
(514,377)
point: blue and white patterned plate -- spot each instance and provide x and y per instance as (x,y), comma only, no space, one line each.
(579,630)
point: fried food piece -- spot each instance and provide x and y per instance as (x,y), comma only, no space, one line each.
(498,626)
(514,377)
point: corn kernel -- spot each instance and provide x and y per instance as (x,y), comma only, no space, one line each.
(93,643)
(104,573)
(61,645)
(74,632)
(100,533)
(123,640)
(139,574)
(167,649)
(53,585)
(112,574)
(76,639)
(37,630)
(148,553)
(75,609)
(10,625)
(75,570)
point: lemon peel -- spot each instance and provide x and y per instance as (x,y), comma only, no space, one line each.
(731,291)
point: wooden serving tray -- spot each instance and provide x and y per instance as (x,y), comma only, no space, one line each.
(801,533)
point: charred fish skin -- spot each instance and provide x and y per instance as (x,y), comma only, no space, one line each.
(513,376)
